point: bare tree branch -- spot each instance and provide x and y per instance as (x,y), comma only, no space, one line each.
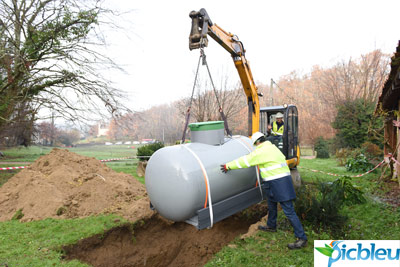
(51,57)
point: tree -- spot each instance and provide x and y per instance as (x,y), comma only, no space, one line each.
(50,58)
(322,148)
(47,133)
(91,130)
(315,116)
(353,123)
(163,123)
(68,137)
(318,93)
(352,79)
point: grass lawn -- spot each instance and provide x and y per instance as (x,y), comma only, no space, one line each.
(369,182)
(105,152)
(24,154)
(30,154)
(39,243)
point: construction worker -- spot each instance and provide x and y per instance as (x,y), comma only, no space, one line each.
(276,127)
(276,183)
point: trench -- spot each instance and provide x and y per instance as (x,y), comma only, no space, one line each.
(157,242)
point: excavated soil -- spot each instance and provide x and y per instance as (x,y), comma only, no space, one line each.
(63,184)
(159,243)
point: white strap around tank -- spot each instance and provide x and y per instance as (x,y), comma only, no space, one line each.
(208,184)
(250,149)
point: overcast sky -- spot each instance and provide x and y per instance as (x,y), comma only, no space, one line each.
(279,37)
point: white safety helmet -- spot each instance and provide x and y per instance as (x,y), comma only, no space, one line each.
(279,115)
(256,136)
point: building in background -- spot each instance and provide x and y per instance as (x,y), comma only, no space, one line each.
(102,129)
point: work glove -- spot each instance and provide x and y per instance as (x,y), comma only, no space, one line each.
(224,169)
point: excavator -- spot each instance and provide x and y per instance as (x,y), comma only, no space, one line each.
(258,117)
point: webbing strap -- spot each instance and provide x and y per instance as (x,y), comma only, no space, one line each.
(207,182)
(250,149)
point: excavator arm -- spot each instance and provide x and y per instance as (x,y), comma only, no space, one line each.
(203,26)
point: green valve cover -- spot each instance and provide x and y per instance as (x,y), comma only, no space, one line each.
(206,126)
(208,132)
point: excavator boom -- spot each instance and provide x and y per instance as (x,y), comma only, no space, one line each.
(202,26)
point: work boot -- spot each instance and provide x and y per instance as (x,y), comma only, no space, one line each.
(300,243)
(266,228)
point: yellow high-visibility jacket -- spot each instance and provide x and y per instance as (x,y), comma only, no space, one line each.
(277,181)
(269,158)
(275,131)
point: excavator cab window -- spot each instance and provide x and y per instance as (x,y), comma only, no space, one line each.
(291,135)
(266,118)
(264,121)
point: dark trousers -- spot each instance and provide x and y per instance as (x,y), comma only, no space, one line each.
(288,209)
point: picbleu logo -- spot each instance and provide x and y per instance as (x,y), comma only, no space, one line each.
(367,252)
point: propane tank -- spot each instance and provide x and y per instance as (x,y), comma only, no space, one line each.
(179,178)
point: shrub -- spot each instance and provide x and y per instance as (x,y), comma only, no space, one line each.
(342,155)
(350,193)
(148,150)
(320,207)
(372,151)
(359,163)
(359,159)
(322,148)
(356,123)
(320,204)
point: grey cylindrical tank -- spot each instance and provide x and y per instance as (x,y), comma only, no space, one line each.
(175,181)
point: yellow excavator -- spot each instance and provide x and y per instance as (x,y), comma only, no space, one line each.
(258,117)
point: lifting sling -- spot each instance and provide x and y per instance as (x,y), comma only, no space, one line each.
(204,62)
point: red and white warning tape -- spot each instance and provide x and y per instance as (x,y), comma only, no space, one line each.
(334,174)
(103,160)
(13,168)
(107,160)
(390,157)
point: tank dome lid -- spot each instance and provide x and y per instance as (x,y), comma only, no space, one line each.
(206,126)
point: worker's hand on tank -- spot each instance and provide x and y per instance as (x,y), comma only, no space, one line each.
(269,127)
(224,169)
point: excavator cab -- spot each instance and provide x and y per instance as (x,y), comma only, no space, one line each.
(288,143)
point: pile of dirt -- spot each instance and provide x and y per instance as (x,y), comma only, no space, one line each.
(63,184)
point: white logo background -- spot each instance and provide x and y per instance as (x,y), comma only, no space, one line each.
(320,260)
